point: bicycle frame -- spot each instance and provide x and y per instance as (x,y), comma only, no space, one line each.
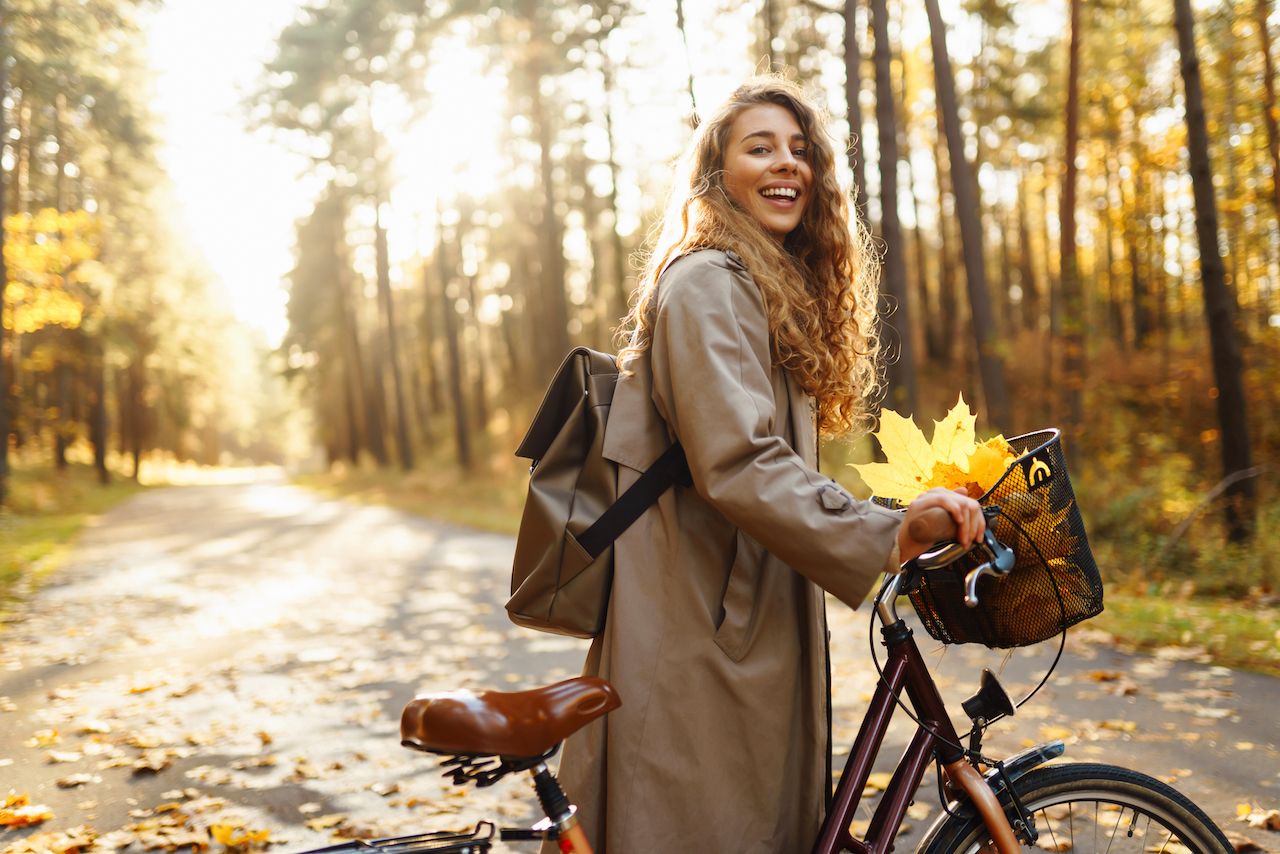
(904,669)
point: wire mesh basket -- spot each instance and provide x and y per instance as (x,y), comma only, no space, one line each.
(1055,582)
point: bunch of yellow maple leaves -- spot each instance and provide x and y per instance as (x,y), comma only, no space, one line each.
(953,458)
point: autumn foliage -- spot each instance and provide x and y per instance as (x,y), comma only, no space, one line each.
(953,458)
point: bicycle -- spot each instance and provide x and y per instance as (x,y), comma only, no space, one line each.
(990,805)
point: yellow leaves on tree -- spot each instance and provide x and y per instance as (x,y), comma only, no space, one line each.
(18,811)
(49,257)
(953,458)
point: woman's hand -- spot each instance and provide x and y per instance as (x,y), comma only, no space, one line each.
(965,513)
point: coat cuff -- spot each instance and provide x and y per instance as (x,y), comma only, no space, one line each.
(893,563)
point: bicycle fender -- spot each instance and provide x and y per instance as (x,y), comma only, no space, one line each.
(1015,767)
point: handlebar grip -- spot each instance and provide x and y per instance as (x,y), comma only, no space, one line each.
(932,526)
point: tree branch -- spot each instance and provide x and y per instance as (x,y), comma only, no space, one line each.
(822,8)
(1222,486)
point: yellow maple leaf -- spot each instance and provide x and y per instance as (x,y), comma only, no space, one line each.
(989,461)
(953,459)
(910,459)
(953,436)
(904,444)
(886,480)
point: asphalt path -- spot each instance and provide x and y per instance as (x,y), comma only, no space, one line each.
(236,656)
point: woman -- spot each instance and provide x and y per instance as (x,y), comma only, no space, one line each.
(754,319)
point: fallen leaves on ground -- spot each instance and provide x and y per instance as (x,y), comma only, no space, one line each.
(324,822)
(73,780)
(1241,843)
(236,837)
(72,841)
(1255,816)
(18,811)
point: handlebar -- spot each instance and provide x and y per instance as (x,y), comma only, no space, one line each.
(937,525)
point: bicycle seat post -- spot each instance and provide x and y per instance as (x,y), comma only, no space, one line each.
(561,814)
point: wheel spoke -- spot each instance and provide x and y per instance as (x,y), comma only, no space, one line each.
(1146,810)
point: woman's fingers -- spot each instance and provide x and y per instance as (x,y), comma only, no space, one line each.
(966,512)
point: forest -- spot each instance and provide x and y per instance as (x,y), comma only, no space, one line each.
(1077,207)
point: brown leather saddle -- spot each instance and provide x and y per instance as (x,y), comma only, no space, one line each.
(504,723)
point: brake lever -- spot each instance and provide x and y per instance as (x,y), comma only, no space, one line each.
(1000,561)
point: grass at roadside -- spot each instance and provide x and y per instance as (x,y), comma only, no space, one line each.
(488,498)
(1232,632)
(46,509)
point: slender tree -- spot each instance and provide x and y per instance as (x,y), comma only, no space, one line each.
(852,89)
(1219,303)
(403,444)
(4,274)
(902,369)
(688,64)
(964,186)
(1072,380)
(1269,108)
(461,432)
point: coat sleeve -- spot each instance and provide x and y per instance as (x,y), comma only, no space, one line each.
(711,382)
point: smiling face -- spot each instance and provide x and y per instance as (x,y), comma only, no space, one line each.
(766,169)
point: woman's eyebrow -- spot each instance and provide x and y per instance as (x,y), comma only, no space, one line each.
(768,134)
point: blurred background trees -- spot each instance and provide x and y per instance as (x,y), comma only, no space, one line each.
(490,170)
(111,338)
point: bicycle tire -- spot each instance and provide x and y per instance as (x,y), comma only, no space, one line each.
(1112,809)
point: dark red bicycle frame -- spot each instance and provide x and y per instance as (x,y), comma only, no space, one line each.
(904,668)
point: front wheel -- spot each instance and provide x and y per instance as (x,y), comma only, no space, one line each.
(1092,808)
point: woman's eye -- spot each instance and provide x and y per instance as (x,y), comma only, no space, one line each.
(759,149)
(800,152)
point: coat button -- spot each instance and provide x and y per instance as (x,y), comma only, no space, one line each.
(832,497)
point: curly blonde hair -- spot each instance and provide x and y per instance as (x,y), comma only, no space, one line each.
(819,286)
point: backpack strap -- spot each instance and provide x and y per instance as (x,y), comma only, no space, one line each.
(668,469)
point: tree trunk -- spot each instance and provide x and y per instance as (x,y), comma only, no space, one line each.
(479,358)
(5,417)
(1115,311)
(62,425)
(944,331)
(353,362)
(769,20)
(619,292)
(1026,262)
(1228,364)
(137,414)
(852,88)
(990,364)
(98,432)
(553,337)
(430,304)
(1072,380)
(897,335)
(449,315)
(688,65)
(403,443)
(1270,110)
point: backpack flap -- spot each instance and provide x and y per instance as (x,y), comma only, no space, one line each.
(583,371)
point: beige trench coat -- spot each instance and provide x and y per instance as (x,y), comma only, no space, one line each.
(716,632)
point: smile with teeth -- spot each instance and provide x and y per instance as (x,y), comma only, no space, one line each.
(781,192)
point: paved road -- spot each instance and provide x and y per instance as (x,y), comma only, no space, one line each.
(238,655)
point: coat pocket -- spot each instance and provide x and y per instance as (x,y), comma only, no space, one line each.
(741,599)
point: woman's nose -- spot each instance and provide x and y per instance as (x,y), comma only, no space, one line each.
(786,161)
